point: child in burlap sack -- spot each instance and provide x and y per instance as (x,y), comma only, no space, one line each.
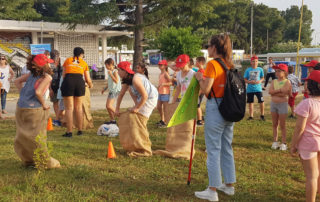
(133,132)
(32,112)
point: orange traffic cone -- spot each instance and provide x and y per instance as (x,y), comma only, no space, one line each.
(49,125)
(111,153)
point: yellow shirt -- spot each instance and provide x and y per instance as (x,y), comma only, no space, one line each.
(75,66)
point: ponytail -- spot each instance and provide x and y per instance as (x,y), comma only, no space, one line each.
(222,43)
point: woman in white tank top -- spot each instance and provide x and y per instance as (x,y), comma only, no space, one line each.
(6,75)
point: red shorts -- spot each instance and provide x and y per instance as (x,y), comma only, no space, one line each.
(292,99)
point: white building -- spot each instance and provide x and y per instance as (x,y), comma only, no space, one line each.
(16,37)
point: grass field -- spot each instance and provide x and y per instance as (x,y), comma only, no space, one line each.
(86,175)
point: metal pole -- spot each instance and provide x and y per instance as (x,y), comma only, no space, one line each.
(41,31)
(267,39)
(298,46)
(251,29)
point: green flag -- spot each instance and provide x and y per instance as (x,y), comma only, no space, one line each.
(187,108)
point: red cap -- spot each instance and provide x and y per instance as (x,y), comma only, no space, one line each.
(125,65)
(41,60)
(182,60)
(254,57)
(282,67)
(163,62)
(314,76)
(312,63)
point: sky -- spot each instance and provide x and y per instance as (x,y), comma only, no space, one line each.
(313,5)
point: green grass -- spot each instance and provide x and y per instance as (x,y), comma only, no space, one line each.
(86,175)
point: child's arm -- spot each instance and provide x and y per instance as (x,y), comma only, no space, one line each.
(272,91)
(19,81)
(177,93)
(137,83)
(298,131)
(114,76)
(41,89)
(124,89)
(11,74)
(104,89)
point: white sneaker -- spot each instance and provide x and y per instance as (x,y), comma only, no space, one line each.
(275,145)
(283,147)
(226,189)
(207,194)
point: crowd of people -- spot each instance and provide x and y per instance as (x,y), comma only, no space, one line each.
(67,85)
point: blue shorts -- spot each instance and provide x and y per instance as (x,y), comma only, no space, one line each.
(164,97)
(113,95)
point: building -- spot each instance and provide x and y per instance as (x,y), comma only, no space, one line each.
(16,37)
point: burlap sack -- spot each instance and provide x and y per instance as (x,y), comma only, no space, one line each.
(134,135)
(29,124)
(179,137)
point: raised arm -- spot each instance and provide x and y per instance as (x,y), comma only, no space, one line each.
(19,81)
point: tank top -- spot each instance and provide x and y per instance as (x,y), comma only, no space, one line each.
(112,86)
(28,98)
(151,90)
(279,84)
(4,78)
(163,89)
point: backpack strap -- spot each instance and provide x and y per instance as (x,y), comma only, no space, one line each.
(226,70)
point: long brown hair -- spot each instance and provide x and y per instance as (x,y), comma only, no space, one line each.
(222,43)
(35,69)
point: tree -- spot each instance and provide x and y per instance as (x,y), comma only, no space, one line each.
(285,47)
(18,10)
(173,42)
(292,17)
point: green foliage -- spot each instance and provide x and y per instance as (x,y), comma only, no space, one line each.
(285,47)
(18,10)
(292,17)
(41,153)
(205,34)
(173,42)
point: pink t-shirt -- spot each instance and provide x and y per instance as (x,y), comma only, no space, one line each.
(163,89)
(310,140)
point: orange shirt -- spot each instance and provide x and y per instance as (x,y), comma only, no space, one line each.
(215,70)
(71,66)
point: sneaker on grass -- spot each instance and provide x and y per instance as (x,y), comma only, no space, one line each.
(283,147)
(229,190)
(275,145)
(207,194)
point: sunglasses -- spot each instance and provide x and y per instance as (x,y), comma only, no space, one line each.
(2,58)
(206,46)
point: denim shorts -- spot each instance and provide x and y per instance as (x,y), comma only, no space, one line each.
(279,108)
(164,97)
(113,95)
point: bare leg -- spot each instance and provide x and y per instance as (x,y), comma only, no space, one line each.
(68,104)
(275,123)
(199,113)
(311,172)
(282,120)
(160,109)
(78,109)
(251,109)
(56,109)
(110,108)
(165,105)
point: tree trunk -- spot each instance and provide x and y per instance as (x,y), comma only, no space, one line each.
(138,34)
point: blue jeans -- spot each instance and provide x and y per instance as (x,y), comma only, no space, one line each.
(3,99)
(218,137)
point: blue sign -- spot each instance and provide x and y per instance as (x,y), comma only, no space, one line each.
(155,58)
(39,48)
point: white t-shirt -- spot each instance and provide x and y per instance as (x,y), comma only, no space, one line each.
(4,78)
(184,81)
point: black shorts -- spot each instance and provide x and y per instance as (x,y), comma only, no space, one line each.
(73,85)
(250,97)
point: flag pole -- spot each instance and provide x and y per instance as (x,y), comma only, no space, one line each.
(298,45)
(191,153)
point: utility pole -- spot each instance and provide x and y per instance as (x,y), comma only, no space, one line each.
(267,39)
(298,46)
(251,29)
